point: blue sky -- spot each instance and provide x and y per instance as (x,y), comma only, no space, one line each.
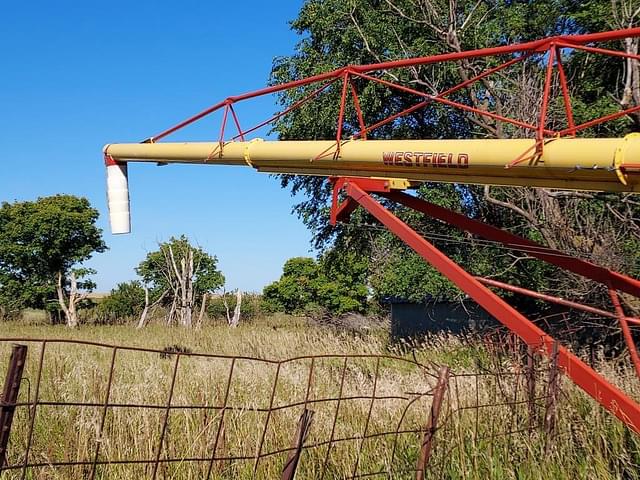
(78,75)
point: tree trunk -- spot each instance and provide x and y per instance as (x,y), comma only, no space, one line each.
(226,305)
(188,290)
(172,310)
(147,307)
(143,315)
(69,307)
(184,287)
(203,307)
(236,311)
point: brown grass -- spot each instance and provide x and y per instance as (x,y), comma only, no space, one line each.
(588,442)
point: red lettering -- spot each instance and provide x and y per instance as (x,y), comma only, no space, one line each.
(408,159)
(387,158)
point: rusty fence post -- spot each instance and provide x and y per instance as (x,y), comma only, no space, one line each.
(304,424)
(552,394)
(531,386)
(10,397)
(432,422)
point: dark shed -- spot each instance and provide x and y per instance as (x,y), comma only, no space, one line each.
(433,316)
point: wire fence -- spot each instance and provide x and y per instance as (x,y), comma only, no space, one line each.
(93,410)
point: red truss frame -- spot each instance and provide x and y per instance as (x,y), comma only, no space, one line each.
(551,48)
(357,190)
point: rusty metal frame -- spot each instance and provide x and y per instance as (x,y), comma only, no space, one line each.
(432,423)
(96,461)
(10,393)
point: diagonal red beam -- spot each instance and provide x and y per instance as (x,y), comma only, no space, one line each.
(626,331)
(598,121)
(545,99)
(602,51)
(551,299)
(356,104)
(565,92)
(582,375)
(343,105)
(237,122)
(581,267)
(297,104)
(223,125)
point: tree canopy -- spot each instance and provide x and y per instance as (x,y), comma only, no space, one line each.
(334,33)
(41,242)
(307,285)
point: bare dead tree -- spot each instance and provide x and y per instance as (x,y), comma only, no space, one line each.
(148,307)
(203,307)
(182,281)
(179,274)
(234,320)
(69,303)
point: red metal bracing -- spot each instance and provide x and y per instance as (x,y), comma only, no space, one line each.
(613,399)
(626,331)
(551,47)
(557,300)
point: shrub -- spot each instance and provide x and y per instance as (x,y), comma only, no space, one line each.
(125,302)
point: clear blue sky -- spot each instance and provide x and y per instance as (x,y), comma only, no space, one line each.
(77,75)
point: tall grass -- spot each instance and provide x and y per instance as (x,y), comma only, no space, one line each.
(471,443)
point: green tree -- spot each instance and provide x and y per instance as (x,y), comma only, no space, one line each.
(307,284)
(42,243)
(335,33)
(126,300)
(183,273)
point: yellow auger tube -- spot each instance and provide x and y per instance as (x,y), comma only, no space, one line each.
(604,164)
(608,164)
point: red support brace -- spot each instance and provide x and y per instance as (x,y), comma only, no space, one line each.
(557,300)
(565,92)
(356,105)
(614,400)
(626,331)
(545,99)
(237,122)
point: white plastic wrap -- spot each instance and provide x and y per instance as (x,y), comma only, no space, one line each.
(118,198)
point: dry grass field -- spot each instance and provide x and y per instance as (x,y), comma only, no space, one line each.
(472,442)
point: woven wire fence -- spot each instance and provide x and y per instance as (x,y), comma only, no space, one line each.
(93,410)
